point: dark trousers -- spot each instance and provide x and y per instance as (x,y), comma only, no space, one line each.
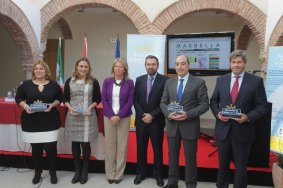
(76,150)
(51,154)
(156,137)
(229,150)
(190,150)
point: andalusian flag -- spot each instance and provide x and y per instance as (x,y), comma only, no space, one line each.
(59,67)
(117,50)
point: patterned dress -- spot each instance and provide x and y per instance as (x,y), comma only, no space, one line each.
(81,128)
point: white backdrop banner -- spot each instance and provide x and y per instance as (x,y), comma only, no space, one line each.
(140,46)
(274,90)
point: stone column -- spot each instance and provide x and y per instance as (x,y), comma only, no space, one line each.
(42,50)
(27,68)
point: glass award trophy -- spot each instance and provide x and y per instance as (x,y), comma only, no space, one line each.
(80,109)
(231,112)
(38,106)
(174,107)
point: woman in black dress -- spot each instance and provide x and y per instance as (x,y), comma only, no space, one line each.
(40,126)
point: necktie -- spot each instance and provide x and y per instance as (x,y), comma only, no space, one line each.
(149,85)
(180,90)
(234,91)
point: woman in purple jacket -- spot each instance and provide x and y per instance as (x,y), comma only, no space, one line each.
(117,100)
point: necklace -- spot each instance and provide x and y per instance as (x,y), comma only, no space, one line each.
(116,83)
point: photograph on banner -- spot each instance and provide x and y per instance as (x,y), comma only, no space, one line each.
(274,90)
(138,47)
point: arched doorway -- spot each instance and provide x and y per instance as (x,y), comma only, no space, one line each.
(21,35)
(52,12)
(101,22)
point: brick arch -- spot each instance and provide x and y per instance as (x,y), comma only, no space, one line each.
(65,28)
(276,38)
(253,17)
(244,38)
(21,31)
(52,11)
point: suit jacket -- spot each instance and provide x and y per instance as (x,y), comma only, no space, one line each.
(251,99)
(126,98)
(194,101)
(153,105)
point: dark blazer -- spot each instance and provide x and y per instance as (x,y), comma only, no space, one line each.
(126,98)
(251,100)
(153,104)
(194,101)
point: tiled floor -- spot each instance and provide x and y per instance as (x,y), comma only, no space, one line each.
(21,178)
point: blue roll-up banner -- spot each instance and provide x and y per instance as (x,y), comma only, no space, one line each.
(274,92)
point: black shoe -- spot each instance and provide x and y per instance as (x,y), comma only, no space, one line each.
(110,181)
(159,181)
(139,179)
(37,177)
(84,176)
(170,186)
(53,178)
(83,179)
(117,181)
(76,178)
(78,172)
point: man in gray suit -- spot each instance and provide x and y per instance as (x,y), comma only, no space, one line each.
(191,93)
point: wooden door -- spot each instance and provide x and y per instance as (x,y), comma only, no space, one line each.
(50,55)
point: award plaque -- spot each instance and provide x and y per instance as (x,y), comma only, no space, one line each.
(80,110)
(38,106)
(231,112)
(174,107)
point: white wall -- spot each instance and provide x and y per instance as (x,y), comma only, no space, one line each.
(157,5)
(31,8)
(275,11)
(261,4)
(11,73)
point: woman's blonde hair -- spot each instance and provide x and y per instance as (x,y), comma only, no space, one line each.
(46,68)
(75,74)
(125,66)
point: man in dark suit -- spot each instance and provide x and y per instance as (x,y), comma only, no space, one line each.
(234,136)
(191,93)
(150,121)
